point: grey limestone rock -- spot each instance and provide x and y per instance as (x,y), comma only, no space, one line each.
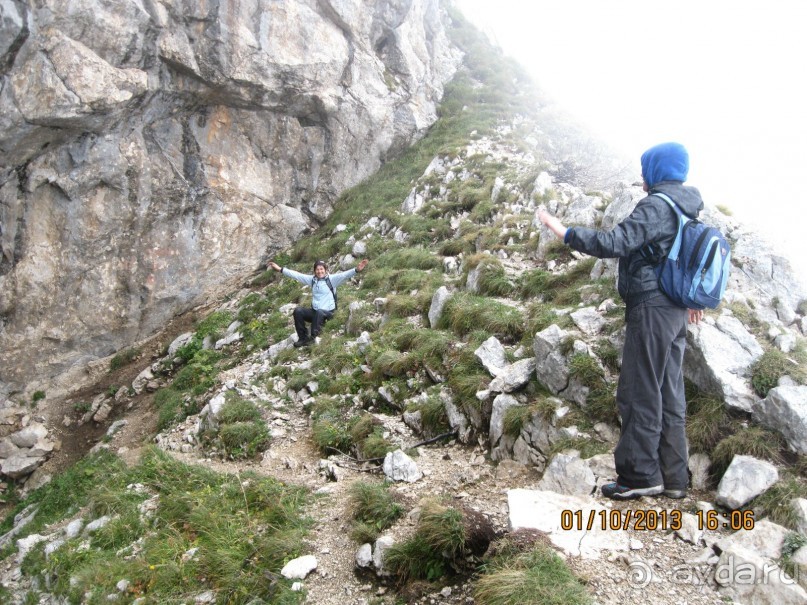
(745,479)
(168,147)
(785,410)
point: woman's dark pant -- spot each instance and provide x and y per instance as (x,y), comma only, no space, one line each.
(315,317)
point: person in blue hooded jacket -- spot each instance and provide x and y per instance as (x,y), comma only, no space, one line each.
(323,297)
(651,456)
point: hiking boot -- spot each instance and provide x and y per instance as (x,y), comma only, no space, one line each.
(623,492)
(675,494)
(302,342)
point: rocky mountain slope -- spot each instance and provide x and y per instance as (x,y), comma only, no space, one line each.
(470,327)
(152,154)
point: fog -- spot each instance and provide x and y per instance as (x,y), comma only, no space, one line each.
(726,79)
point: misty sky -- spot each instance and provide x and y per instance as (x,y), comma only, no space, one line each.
(726,79)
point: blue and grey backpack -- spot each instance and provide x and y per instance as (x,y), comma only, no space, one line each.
(695,271)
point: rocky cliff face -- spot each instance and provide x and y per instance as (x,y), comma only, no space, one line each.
(153,152)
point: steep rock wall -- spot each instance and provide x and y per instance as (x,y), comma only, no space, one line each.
(153,152)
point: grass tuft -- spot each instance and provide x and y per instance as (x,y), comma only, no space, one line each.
(536,577)
(773,364)
(373,509)
(465,313)
(427,555)
(752,441)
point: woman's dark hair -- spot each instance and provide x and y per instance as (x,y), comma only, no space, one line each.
(320,263)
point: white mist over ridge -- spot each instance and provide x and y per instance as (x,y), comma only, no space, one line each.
(723,78)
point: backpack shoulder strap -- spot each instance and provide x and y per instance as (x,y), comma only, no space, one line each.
(671,202)
(333,291)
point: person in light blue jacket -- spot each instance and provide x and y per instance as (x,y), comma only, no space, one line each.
(323,297)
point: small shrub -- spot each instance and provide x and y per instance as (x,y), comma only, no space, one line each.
(37,397)
(238,409)
(123,358)
(244,439)
(169,404)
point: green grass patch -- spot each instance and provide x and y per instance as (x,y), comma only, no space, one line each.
(65,494)
(123,358)
(536,577)
(331,425)
(373,509)
(515,418)
(243,528)
(432,415)
(708,421)
(466,376)
(173,407)
(601,398)
(241,431)
(408,258)
(463,313)
(587,447)
(199,375)
(438,540)
(492,279)
(773,364)
(751,441)
(776,501)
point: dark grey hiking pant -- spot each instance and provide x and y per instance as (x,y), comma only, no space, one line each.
(652,447)
(315,317)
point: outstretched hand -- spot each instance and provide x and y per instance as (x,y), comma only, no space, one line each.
(552,222)
(274,265)
(360,267)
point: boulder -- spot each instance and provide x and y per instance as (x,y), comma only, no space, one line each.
(785,410)
(299,568)
(588,320)
(400,467)
(551,366)
(513,377)
(564,519)
(568,475)
(745,479)
(718,357)
(491,355)
(439,300)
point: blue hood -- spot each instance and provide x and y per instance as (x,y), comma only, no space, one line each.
(665,162)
